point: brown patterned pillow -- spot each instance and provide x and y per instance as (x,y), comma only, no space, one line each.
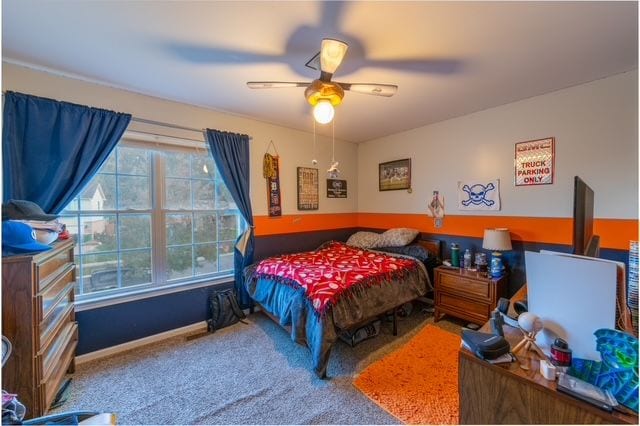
(364,239)
(398,237)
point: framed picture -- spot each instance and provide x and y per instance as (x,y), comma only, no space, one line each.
(307,188)
(394,175)
(534,162)
(336,188)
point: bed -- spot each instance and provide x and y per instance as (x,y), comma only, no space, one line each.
(357,291)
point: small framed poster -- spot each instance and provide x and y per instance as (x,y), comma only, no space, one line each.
(336,188)
(308,193)
(394,175)
(535,162)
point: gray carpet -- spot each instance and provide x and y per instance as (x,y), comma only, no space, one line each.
(244,374)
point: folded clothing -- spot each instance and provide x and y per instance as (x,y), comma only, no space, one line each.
(52,225)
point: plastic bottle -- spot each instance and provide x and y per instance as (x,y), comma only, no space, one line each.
(455,255)
(467,259)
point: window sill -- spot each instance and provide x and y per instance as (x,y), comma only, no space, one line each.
(102,301)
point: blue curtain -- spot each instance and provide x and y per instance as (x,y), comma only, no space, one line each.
(51,149)
(231,154)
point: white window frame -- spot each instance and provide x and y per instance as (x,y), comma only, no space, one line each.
(159,284)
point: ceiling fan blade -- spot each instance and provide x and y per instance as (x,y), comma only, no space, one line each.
(274,84)
(331,54)
(371,88)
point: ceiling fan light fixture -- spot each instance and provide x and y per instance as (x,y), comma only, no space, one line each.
(323,111)
(319,90)
(331,54)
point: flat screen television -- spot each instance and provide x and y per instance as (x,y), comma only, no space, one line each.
(585,243)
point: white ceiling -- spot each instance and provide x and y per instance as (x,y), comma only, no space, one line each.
(448,58)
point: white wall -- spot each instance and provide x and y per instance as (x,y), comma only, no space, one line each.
(595,126)
(294,147)
(596,131)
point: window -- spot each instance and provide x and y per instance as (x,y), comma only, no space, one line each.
(151,218)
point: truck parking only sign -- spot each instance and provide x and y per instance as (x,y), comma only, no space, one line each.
(535,162)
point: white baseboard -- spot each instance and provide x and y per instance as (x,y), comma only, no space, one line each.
(103,353)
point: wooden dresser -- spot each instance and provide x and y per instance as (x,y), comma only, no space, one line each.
(38,318)
(466,294)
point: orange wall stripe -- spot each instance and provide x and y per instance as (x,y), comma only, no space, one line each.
(614,233)
(265,225)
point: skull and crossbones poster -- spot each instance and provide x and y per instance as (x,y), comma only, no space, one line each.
(479,195)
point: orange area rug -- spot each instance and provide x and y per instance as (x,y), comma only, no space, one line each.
(418,383)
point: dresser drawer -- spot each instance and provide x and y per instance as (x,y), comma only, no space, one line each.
(47,268)
(463,286)
(48,297)
(60,312)
(50,386)
(51,354)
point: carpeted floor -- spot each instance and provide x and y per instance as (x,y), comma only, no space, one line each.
(244,374)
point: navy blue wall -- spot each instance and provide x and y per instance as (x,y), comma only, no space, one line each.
(123,322)
(273,245)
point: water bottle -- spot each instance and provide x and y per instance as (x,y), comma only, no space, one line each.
(467,259)
(481,262)
(455,255)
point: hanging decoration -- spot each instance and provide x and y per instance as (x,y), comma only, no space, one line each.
(333,171)
(479,195)
(271,172)
(436,209)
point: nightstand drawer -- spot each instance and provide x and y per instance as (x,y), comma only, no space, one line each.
(463,286)
(459,304)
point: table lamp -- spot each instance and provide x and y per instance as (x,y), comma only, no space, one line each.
(496,240)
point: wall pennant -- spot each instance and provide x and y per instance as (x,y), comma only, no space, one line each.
(271,172)
(479,195)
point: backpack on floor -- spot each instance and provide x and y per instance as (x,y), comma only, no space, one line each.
(224,310)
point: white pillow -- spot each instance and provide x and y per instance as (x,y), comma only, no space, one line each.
(398,237)
(364,239)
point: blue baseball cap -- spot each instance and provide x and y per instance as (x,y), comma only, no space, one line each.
(18,237)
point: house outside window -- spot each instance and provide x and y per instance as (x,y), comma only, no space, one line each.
(152,218)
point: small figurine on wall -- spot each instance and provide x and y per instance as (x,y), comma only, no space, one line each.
(435,208)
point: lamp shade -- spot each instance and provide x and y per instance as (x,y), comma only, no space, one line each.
(331,54)
(496,239)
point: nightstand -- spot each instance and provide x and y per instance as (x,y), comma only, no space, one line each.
(466,294)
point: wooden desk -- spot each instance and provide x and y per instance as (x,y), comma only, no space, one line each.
(507,394)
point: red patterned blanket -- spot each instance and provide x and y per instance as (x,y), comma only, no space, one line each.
(333,271)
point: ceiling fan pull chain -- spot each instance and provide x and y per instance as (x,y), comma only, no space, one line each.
(333,141)
(313,160)
(333,171)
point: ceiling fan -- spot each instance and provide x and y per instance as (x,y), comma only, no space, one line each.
(322,93)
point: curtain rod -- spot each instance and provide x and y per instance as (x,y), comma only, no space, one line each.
(157,123)
(163,124)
